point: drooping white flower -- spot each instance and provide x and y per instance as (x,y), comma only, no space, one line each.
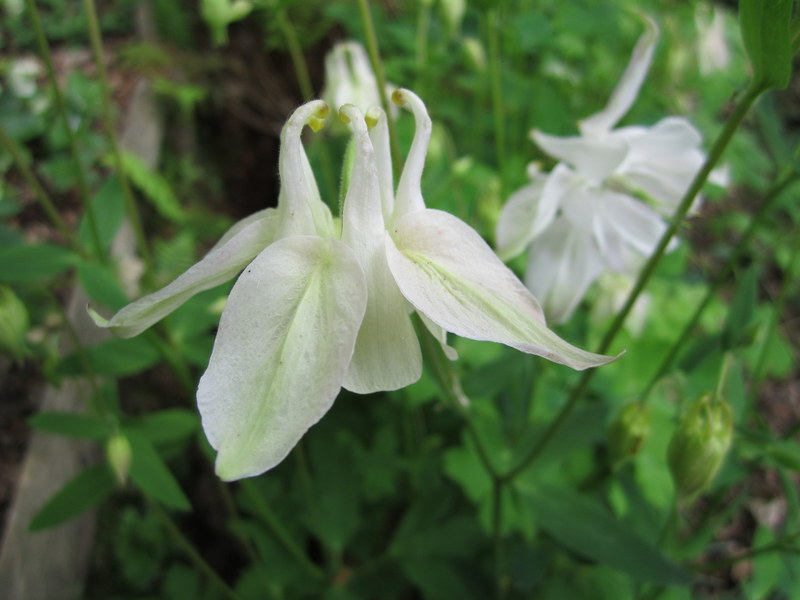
(316,309)
(588,215)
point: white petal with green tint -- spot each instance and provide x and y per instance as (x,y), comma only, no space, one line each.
(222,263)
(282,350)
(387,354)
(446,270)
(624,95)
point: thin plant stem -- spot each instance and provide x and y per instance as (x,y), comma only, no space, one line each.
(777,309)
(296,52)
(497,538)
(722,379)
(377,67)
(423,22)
(130,204)
(721,143)
(61,108)
(99,405)
(41,196)
(274,525)
(188,548)
(230,507)
(789,177)
(495,74)
(450,386)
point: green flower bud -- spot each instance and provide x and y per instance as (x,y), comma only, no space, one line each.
(699,444)
(119,454)
(13,324)
(628,432)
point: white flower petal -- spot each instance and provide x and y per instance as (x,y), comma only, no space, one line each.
(446,270)
(624,95)
(440,334)
(663,159)
(281,353)
(563,263)
(222,263)
(627,231)
(594,158)
(409,188)
(267,213)
(387,354)
(515,227)
(379,134)
(302,211)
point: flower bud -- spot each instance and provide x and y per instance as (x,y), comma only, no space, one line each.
(699,444)
(13,324)
(628,432)
(119,454)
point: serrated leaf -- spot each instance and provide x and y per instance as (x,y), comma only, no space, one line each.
(765,26)
(585,527)
(32,262)
(149,472)
(88,488)
(71,425)
(115,357)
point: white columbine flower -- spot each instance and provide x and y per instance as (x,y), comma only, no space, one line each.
(587,215)
(316,308)
(349,78)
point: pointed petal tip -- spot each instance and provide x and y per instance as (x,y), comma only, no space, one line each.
(231,467)
(98,319)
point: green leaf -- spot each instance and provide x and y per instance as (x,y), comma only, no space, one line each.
(88,488)
(740,313)
(71,425)
(108,208)
(29,263)
(165,426)
(766,34)
(101,285)
(154,187)
(151,474)
(589,530)
(115,357)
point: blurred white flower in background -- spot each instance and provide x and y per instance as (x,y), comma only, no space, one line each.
(601,207)
(349,78)
(713,52)
(22,75)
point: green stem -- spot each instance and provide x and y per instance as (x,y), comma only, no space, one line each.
(423,20)
(61,108)
(777,309)
(108,119)
(38,191)
(99,405)
(720,144)
(377,67)
(273,524)
(787,178)
(183,542)
(497,539)
(450,386)
(296,52)
(497,96)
